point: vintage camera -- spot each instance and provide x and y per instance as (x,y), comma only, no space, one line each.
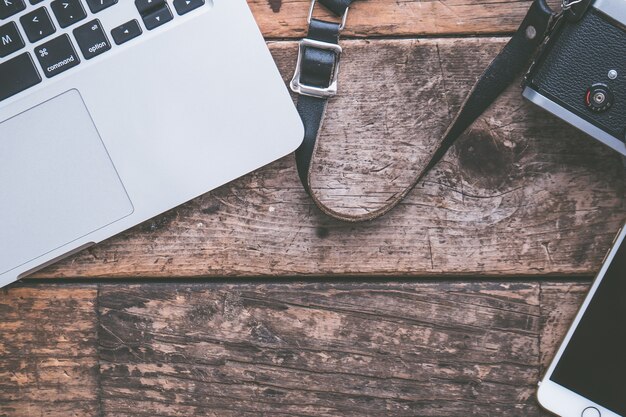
(580,73)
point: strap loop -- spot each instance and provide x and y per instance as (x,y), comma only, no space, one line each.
(339,7)
(316,80)
(343,13)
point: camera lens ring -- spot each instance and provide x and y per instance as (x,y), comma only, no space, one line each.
(599,98)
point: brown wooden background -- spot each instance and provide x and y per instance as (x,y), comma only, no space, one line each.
(451,305)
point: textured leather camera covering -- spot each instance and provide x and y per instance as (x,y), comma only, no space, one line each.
(582,54)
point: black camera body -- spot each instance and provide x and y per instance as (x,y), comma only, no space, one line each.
(580,73)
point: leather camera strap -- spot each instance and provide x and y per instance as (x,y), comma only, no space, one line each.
(315,80)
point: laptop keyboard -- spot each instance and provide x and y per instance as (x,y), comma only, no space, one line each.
(30,35)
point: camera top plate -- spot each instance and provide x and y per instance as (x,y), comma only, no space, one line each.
(615,9)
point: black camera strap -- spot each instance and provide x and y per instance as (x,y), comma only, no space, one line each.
(315,80)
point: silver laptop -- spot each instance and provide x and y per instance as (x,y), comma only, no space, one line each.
(113,111)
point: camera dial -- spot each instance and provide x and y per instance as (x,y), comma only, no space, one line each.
(599,98)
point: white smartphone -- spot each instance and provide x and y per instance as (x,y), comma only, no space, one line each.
(588,375)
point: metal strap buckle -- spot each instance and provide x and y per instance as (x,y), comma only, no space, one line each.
(309,90)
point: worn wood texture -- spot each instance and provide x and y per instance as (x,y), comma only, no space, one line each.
(559,305)
(287,18)
(290,349)
(522,194)
(48,352)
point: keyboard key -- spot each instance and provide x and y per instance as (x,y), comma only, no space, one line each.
(57,56)
(158,17)
(20,72)
(91,39)
(37,24)
(185,6)
(10,39)
(98,5)
(10,7)
(146,6)
(127,31)
(68,12)
(33,2)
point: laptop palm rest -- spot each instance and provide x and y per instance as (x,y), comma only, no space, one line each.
(57,181)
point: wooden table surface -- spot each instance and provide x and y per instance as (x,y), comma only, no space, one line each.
(249,302)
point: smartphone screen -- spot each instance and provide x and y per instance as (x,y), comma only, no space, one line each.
(593,364)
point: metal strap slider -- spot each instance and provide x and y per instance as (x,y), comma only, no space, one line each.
(310,90)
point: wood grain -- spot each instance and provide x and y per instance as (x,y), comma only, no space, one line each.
(287,349)
(287,18)
(522,194)
(48,352)
(320,350)
(559,305)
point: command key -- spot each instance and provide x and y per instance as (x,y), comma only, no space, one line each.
(57,56)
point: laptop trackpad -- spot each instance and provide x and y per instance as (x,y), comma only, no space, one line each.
(57,182)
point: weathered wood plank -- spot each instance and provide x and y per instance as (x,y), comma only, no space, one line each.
(559,305)
(326,349)
(448,349)
(523,194)
(48,356)
(287,18)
